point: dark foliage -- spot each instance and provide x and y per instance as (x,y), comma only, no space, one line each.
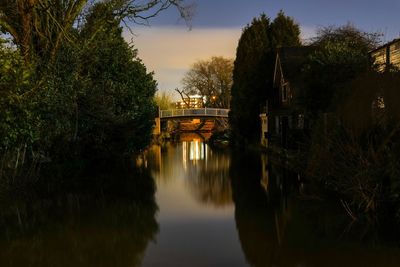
(253,72)
(94,97)
(341,55)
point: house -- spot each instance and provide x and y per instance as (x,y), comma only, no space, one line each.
(385,103)
(286,118)
(387,55)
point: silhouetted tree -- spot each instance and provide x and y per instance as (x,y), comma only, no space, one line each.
(340,57)
(70,78)
(38,27)
(116,104)
(253,72)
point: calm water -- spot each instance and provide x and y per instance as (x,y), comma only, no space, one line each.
(186,205)
(219,208)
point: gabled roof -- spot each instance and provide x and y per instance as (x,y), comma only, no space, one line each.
(385,45)
(289,62)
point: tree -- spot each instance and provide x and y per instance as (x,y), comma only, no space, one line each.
(116,105)
(54,40)
(164,101)
(253,72)
(95,92)
(38,27)
(16,121)
(212,79)
(340,57)
(284,31)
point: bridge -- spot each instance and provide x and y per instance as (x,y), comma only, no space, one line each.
(194,113)
(216,114)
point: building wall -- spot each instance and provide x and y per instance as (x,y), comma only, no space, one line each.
(388,54)
(194,102)
(379,58)
(395,54)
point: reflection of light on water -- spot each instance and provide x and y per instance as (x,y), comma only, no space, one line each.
(184,153)
(193,151)
(264,173)
(141,161)
(196,151)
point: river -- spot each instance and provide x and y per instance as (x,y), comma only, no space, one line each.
(186,205)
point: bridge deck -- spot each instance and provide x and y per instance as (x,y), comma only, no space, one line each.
(194,112)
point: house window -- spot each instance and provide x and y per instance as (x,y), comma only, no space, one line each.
(380,102)
(284,93)
(277,125)
(300,122)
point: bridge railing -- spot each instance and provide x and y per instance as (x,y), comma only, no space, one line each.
(212,112)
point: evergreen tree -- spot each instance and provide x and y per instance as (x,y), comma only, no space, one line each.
(253,72)
(284,31)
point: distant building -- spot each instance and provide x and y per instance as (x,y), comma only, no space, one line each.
(387,55)
(192,101)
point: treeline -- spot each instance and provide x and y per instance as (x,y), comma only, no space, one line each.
(350,146)
(70,85)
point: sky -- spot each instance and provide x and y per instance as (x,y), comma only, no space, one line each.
(169,47)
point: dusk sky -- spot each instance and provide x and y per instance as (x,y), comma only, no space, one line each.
(169,48)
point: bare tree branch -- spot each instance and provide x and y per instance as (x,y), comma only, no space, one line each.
(183,95)
(211,79)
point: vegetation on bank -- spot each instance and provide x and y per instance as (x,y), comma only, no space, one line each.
(70,84)
(350,149)
(353,141)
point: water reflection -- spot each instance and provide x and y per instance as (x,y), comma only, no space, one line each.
(193,151)
(216,208)
(205,173)
(277,227)
(197,226)
(101,217)
(253,215)
(210,183)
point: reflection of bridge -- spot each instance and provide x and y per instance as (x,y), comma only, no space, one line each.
(194,113)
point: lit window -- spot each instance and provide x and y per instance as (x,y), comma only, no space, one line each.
(380,103)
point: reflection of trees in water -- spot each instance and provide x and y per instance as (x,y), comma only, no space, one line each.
(206,171)
(253,215)
(209,180)
(161,160)
(105,218)
(276,229)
